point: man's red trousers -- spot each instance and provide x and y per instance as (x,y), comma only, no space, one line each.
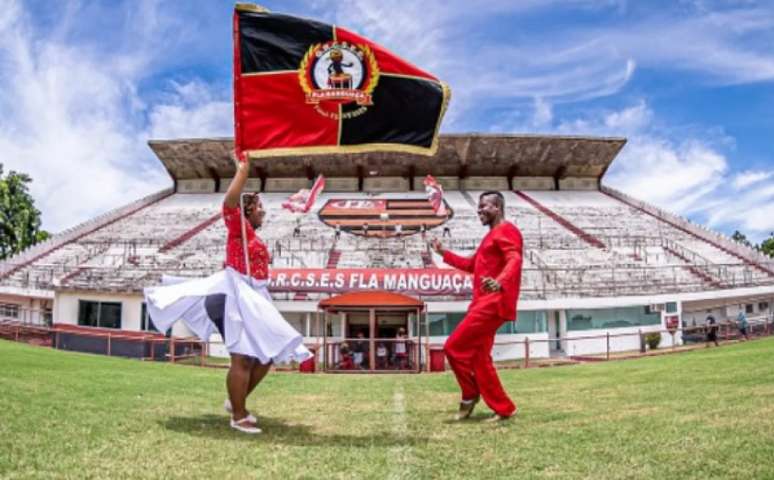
(469,351)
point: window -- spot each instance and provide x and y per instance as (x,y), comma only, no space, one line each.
(99,314)
(749,308)
(530,322)
(146,325)
(443,324)
(671,307)
(763,306)
(9,310)
(611,318)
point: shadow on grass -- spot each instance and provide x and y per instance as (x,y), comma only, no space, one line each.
(277,431)
(480,419)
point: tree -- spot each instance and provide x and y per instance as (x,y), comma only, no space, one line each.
(767,246)
(740,237)
(19,219)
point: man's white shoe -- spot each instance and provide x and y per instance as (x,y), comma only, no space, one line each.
(245,425)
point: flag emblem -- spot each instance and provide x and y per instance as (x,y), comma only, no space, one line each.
(383,217)
(338,74)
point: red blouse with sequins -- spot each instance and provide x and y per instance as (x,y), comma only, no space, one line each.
(256,249)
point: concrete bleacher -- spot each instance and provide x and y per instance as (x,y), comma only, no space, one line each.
(577,243)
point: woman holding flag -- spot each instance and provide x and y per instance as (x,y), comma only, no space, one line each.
(236,303)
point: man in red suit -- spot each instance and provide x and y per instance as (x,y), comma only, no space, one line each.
(496,268)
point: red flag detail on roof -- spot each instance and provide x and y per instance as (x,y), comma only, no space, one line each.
(435,195)
(303,200)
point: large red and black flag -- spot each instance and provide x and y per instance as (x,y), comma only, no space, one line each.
(305,87)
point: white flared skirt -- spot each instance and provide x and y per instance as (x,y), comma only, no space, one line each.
(252,324)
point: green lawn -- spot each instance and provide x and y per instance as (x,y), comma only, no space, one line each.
(701,414)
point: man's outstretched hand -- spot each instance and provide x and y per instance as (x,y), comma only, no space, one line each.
(491,285)
(437,246)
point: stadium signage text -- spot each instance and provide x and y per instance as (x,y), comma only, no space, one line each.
(416,281)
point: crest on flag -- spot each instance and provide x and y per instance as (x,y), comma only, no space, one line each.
(435,195)
(303,200)
(339,73)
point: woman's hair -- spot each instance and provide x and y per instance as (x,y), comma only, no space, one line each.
(249,201)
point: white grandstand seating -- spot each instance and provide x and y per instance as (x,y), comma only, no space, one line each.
(182,234)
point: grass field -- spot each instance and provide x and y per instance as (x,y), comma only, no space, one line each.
(702,414)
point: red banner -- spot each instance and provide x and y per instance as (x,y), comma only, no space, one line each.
(412,281)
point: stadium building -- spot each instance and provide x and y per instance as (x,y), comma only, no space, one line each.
(601,269)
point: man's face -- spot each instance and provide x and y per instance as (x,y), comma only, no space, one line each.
(488,210)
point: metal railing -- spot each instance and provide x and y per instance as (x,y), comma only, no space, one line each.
(330,356)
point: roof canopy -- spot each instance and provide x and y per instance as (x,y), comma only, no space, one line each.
(460,155)
(371,299)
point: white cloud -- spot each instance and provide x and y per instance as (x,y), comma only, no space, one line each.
(691,177)
(729,46)
(630,119)
(725,43)
(750,211)
(192,110)
(543,113)
(73,119)
(433,35)
(745,179)
(677,178)
(66,124)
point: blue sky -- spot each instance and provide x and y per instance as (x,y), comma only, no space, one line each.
(83,86)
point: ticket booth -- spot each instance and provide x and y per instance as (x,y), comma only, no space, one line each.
(371,331)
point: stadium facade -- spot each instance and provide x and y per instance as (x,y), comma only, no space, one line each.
(597,263)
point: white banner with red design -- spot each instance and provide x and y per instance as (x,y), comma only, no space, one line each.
(435,195)
(303,200)
(411,281)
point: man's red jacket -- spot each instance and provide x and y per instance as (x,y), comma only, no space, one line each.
(499,257)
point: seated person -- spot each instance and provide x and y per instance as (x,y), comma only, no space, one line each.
(345,362)
(360,350)
(381,357)
(401,355)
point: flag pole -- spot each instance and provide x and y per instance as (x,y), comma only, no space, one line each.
(244,234)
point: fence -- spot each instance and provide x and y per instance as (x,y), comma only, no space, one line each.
(191,351)
(727,331)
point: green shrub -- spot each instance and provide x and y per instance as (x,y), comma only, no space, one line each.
(653,339)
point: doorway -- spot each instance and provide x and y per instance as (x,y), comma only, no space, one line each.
(376,332)
(555,334)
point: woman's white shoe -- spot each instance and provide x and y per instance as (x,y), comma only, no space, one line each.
(245,425)
(227,407)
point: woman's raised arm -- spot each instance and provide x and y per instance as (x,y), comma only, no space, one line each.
(237,184)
